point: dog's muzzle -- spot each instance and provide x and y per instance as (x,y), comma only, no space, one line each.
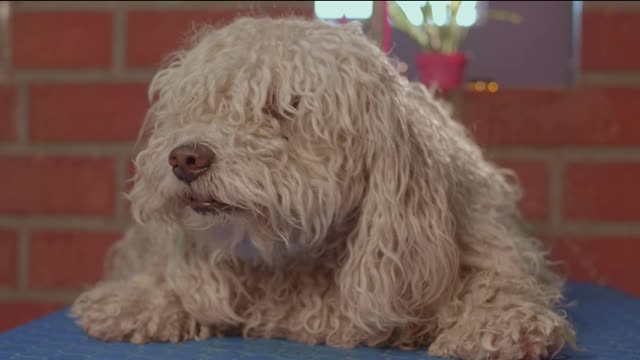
(188,162)
(209,206)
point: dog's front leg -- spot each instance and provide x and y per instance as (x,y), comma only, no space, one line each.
(490,322)
(139,309)
(504,308)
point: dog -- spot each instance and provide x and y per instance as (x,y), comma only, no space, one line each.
(292,184)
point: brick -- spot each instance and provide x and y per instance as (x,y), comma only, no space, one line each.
(67,259)
(86,112)
(61,40)
(610,40)
(534,180)
(7,113)
(8,258)
(602,191)
(56,186)
(582,117)
(608,261)
(13,314)
(152,35)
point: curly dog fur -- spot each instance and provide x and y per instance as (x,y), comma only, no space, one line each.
(360,212)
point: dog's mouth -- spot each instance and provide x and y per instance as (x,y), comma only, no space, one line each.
(209,206)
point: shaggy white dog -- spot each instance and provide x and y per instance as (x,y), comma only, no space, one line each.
(294,185)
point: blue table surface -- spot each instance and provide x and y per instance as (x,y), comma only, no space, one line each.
(607,321)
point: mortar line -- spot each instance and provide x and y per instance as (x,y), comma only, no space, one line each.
(118,41)
(537,229)
(60,6)
(566,153)
(39,295)
(589,230)
(139,5)
(28,223)
(556,191)
(70,149)
(22,114)
(23,259)
(613,78)
(138,75)
(120,175)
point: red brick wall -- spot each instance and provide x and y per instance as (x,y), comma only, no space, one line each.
(72,97)
(75,95)
(577,151)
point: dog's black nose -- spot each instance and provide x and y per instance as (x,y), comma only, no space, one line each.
(190,161)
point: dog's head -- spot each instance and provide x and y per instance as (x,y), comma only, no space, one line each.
(268,122)
(294,129)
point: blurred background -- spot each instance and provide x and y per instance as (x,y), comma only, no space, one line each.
(550,89)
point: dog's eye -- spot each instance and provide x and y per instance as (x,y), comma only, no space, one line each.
(295,102)
(284,115)
(288,112)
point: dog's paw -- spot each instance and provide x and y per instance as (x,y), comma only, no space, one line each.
(107,312)
(173,325)
(508,339)
(127,312)
(493,347)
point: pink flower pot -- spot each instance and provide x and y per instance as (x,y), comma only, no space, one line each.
(446,71)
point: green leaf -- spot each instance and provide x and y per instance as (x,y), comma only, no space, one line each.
(427,13)
(453,7)
(447,38)
(401,21)
(398,17)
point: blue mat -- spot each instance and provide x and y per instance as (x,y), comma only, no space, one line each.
(608,324)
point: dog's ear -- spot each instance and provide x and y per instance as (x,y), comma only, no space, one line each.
(401,256)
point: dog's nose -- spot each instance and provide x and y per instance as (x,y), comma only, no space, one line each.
(190,161)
